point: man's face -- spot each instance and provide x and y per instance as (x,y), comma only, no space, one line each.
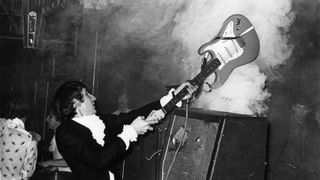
(123,101)
(300,112)
(52,122)
(86,107)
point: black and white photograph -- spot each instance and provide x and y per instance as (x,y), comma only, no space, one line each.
(159,90)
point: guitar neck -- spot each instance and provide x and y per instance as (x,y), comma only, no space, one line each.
(198,80)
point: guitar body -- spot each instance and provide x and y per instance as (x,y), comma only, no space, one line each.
(236,44)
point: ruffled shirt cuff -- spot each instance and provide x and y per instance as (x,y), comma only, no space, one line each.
(128,135)
(165,99)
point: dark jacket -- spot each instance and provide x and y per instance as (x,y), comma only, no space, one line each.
(87,159)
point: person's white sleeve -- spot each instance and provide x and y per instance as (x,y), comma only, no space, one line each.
(30,161)
(128,135)
(165,99)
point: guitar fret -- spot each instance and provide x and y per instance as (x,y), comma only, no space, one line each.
(200,78)
(196,80)
(202,75)
(205,73)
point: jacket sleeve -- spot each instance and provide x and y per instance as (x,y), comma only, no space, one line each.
(73,145)
(116,122)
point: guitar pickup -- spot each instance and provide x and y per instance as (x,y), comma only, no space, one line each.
(240,41)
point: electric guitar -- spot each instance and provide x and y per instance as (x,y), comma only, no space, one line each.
(236,44)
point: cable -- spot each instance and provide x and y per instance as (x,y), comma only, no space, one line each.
(153,155)
(180,143)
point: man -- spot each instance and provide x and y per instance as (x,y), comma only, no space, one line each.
(57,163)
(93,145)
(18,152)
(122,108)
(294,158)
(122,104)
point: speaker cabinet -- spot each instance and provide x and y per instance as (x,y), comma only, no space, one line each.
(201,145)
(208,145)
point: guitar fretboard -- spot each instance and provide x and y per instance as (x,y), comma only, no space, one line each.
(198,80)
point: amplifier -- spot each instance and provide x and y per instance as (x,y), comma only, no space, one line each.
(201,145)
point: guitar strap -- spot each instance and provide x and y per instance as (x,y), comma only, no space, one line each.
(236,37)
(246,31)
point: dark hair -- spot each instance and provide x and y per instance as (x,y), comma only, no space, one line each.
(16,107)
(53,114)
(63,99)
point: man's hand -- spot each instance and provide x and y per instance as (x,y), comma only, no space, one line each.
(191,89)
(35,136)
(47,167)
(141,126)
(156,115)
(45,164)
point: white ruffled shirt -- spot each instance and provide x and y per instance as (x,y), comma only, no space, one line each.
(95,124)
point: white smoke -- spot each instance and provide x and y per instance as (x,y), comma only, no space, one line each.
(244,92)
(194,23)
